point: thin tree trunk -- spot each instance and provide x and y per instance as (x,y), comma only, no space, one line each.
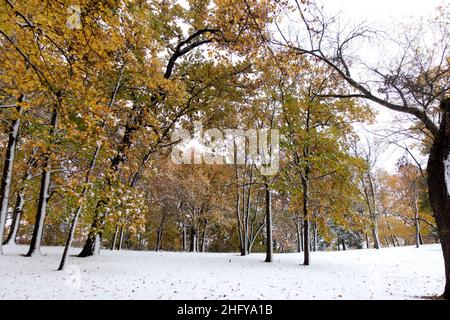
(417,228)
(302,235)
(306,240)
(8,166)
(314,244)
(299,236)
(121,237)
(20,200)
(205,226)
(116,232)
(247,214)
(269,241)
(238,214)
(35,245)
(373,213)
(78,210)
(193,242)
(386,239)
(438,176)
(416,218)
(393,240)
(17,215)
(160,231)
(184,238)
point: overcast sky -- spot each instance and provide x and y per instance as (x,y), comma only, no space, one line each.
(386,14)
(383,10)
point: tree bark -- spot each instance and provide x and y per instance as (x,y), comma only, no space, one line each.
(78,210)
(184,238)
(438,178)
(247,214)
(238,212)
(17,216)
(90,246)
(20,200)
(314,244)
(416,217)
(306,242)
(121,237)
(8,166)
(205,226)
(116,232)
(373,214)
(35,245)
(159,238)
(299,236)
(269,241)
(193,242)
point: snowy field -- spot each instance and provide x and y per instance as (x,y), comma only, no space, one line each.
(391,273)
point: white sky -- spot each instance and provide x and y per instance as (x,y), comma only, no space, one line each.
(385,14)
(383,11)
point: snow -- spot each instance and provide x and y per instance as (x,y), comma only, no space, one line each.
(389,273)
(447,173)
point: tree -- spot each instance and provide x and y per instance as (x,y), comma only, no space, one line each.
(414,83)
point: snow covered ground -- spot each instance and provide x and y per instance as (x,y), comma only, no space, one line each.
(391,273)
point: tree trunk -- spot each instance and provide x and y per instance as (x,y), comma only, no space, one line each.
(373,214)
(184,238)
(393,240)
(159,235)
(376,239)
(299,236)
(17,215)
(387,241)
(121,237)
(343,245)
(269,241)
(78,210)
(302,234)
(247,214)
(306,240)
(193,242)
(8,166)
(69,238)
(204,236)
(238,214)
(20,200)
(90,246)
(159,238)
(116,232)
(438,176)
(314,244)
(417,228)
(35,245)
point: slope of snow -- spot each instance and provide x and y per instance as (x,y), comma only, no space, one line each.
(391,273)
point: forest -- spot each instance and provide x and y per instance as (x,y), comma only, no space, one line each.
(92,94)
